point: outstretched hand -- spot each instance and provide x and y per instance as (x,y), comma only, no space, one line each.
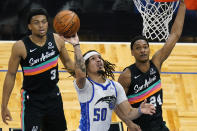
(147,108)
(72,40)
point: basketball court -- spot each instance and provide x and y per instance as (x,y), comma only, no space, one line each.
(179,80)
(178,75)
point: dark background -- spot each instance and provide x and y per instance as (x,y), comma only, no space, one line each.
(101,20)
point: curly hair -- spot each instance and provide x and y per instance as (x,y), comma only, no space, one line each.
(109,67)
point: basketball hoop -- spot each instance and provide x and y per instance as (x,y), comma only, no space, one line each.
(156,17)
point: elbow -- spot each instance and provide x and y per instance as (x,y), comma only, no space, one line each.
(79,74)
(69,63)
(130,115)
(11,74)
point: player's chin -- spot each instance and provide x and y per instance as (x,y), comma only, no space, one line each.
(42,34)
(101,71)
(144,60)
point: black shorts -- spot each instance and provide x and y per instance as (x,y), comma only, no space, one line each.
(161,127)
(157,127)
(43,112)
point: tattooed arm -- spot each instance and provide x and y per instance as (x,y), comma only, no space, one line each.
(80,69)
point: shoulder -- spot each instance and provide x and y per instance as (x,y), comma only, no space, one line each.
(19,43)
(18,50)
(121,96)
(154,66)
(18,47)
(88,84)
(125,79)
(156,63)
(126,73)
(117,84)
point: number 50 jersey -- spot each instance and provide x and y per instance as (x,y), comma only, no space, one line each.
(97,102)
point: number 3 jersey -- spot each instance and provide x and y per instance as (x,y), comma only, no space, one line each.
(40,67)
(146,86)
(97,102)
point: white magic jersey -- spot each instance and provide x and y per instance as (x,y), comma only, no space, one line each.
(97,103)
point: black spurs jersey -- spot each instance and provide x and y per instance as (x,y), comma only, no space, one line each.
(40,67)
(146,86)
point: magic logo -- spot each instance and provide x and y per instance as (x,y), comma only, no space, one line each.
(111,100)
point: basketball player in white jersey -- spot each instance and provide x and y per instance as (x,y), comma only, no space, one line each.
(99,96)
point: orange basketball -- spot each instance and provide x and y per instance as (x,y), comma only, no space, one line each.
(66,23)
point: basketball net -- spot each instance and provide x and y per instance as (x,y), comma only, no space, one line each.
(156,17)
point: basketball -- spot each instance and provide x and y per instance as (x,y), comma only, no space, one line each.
(66,23)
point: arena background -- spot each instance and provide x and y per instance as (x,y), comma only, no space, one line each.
(108,26)
(101,20)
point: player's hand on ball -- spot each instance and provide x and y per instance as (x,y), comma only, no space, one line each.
(72,40)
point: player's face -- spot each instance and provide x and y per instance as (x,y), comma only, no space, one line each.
(141,51)
(38,25)
(95,64)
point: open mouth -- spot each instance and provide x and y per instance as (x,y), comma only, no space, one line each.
(42,31)
(143,55)
(100,65)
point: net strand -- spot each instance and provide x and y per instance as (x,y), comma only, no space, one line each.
(156,17)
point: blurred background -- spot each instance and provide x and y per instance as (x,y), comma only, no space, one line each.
(101,20)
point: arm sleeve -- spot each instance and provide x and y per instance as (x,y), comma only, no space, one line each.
(84,94)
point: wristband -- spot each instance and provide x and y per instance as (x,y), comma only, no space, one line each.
(76,45)
(139,110)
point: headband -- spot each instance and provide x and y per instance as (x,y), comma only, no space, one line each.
(88,55)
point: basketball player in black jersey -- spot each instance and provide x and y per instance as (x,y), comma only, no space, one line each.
(38,53)
(141,80)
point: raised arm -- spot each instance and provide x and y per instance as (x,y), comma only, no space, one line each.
(10,80)
(80,68)
(64,57)
(176,30)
